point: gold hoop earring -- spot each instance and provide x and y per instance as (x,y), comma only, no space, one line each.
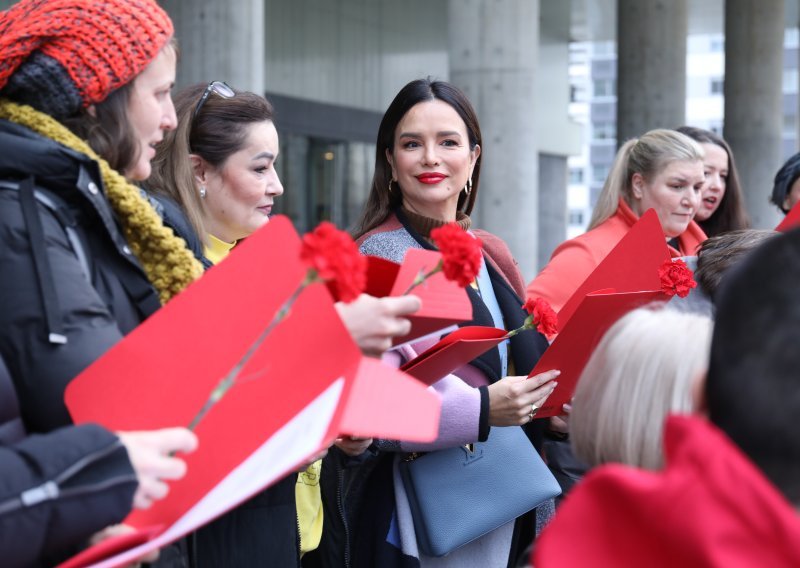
(468,187)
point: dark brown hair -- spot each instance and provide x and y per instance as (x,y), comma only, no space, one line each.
(731,214)
(718,254)
(381,202)
(108,131)
(218,131)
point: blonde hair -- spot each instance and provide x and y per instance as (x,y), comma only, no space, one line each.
(648,156)
(642,370)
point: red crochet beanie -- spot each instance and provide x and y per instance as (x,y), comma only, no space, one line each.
(76,52)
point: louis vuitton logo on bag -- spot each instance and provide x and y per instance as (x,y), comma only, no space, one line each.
(472,453)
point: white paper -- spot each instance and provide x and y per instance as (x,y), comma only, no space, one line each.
(290,446)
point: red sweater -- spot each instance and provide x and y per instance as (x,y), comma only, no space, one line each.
(574,260)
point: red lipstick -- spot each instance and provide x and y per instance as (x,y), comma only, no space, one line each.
(431,178)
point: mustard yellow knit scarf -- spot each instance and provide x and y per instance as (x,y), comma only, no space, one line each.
(169,264)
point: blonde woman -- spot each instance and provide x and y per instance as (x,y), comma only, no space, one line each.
(662,170)
(648,365)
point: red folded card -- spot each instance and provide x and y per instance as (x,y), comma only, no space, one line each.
(630,266)
(574,345)
(791,220)
(452,352)
(444,303)
(306,384)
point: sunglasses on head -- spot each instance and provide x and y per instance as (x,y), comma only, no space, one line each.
(221,88)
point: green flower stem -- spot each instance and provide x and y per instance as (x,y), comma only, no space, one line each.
(422,276)
(528,324)
(230,379)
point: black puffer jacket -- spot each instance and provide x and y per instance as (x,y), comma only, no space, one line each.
(57,489)
(69,286)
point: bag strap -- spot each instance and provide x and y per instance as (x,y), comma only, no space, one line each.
(47,288)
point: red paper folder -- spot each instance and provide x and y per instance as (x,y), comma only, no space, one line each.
(630,266)
(305,385)
(571,349)
(444,303)
(452,352)
(791,220)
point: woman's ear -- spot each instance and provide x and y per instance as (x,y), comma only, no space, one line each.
(475,153)
(637,185)
(390,159)
(200,168)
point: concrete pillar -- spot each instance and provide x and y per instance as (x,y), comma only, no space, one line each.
(651,65)
(552,205)
(221,41)
(557,135)
(753,99)
(493,48)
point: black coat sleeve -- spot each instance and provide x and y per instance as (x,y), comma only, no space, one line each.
(41,370)
(57,489)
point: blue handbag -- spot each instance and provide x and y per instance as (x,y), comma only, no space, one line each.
(460,494)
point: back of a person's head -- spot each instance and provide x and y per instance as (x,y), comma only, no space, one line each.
(784,180)
(647,155)
(753,385)
(718,254)
(642,370)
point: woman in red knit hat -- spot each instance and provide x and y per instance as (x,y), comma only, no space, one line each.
(84,97)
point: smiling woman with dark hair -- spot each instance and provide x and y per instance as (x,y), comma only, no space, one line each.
(427,174)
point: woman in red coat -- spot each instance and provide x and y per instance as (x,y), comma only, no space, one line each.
(662,170)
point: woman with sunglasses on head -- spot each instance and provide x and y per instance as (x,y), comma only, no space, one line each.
(222,172)
(218,167)
(84,96)
(721,202)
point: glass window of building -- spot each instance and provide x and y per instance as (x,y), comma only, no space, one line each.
(790,79)
(323,180)
(576,217)
(605,88)
(790,125)
(606,130)
(599,172)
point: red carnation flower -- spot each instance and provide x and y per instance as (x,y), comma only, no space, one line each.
(542,317)
(676,278)
(335,258)
(461,253)
(331,257)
